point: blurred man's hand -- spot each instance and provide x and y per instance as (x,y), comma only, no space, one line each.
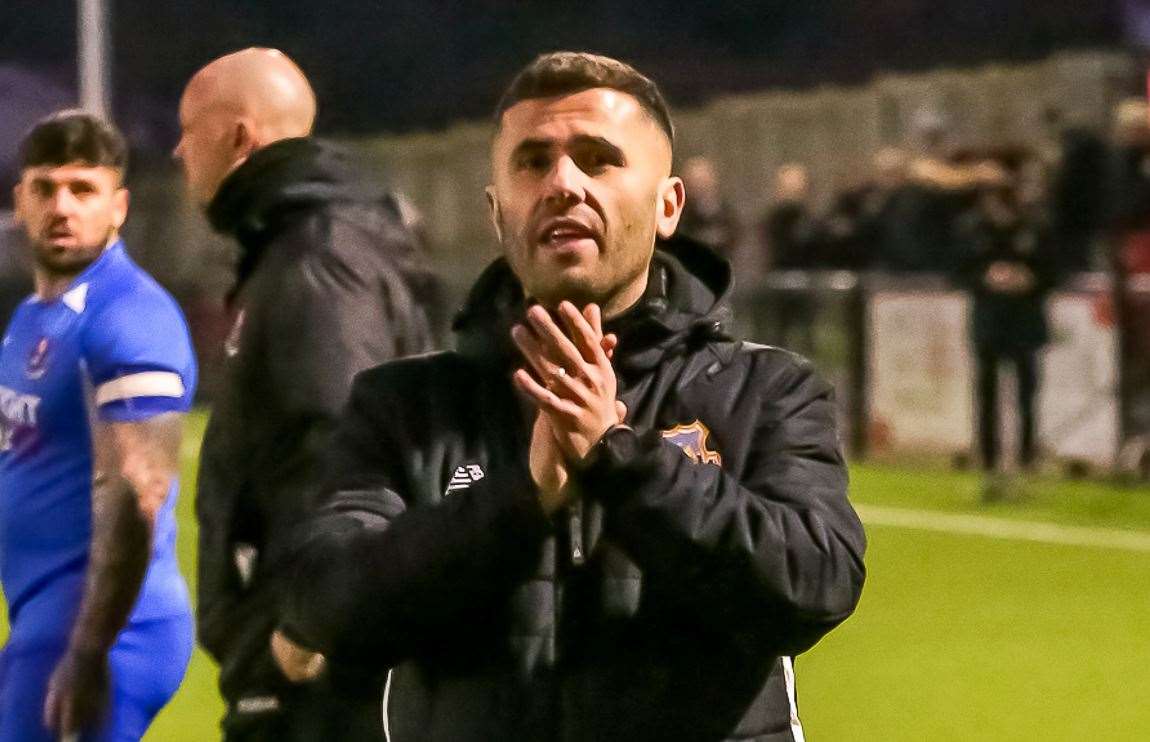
(77,693)
(298,665)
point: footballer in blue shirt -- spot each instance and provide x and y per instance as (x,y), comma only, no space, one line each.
(96,371)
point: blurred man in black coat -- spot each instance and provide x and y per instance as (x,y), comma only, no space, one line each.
(1008,264)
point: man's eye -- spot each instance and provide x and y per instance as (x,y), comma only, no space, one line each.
(534,162)
(596,162)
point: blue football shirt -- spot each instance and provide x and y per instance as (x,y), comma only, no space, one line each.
(113,347)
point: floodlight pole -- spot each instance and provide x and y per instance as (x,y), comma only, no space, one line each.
(92,57)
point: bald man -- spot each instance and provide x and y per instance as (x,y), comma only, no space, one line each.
(328,284)
(236,105)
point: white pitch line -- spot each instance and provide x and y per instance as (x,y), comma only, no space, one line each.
(1017,530)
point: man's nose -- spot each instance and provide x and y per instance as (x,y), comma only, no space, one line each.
(566,182)
(63,201)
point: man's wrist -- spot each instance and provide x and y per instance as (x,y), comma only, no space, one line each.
(554,500)
(619,443)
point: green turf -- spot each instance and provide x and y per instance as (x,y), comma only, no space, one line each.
(966,638)
(1081,503)
(193,715)
(957,637)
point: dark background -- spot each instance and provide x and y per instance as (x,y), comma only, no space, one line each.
(408,64)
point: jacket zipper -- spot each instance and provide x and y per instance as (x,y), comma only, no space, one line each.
(575,533)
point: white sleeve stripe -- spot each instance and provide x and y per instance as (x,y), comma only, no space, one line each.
(143,384)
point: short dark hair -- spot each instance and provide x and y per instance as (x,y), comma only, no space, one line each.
(71,136)
(563,73)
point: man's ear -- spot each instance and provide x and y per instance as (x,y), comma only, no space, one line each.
(496,214)
(672,197)
(17,201)
(120,200)
(245,139)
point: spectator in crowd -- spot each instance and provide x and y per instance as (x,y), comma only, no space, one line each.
(889,167)
(876,201)
(788,225)
(846,235)
(789,232)
(707,218)
(1033,188)
(921,215)
(1130,190)
(1129,196)
(1078,174)
(1007,263)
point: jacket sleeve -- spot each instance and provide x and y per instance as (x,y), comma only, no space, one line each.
(377,578)
(218,584)
(775,555)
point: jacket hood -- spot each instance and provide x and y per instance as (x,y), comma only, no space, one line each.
(686,303)
(276,181)
(286,174)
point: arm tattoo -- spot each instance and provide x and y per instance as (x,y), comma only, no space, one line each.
(135,465)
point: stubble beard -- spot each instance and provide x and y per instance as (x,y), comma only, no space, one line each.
(589,286)
(56,262)
(548,282)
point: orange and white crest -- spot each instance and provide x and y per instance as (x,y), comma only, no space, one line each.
(693,439)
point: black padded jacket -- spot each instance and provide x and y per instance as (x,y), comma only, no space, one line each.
(713,541)
(329,285)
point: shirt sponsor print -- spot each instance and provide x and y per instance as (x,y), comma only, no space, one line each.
(17,411)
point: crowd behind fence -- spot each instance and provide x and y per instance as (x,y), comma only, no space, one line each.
(897,349)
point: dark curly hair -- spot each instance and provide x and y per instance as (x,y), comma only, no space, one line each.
(74,136)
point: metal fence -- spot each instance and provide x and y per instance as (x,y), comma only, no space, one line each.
(897,350)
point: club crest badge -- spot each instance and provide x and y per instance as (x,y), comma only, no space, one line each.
(37,360)
(692,438)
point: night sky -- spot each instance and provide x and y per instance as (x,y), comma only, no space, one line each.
(407,64)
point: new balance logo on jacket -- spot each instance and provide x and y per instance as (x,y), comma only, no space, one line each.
(464,477)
